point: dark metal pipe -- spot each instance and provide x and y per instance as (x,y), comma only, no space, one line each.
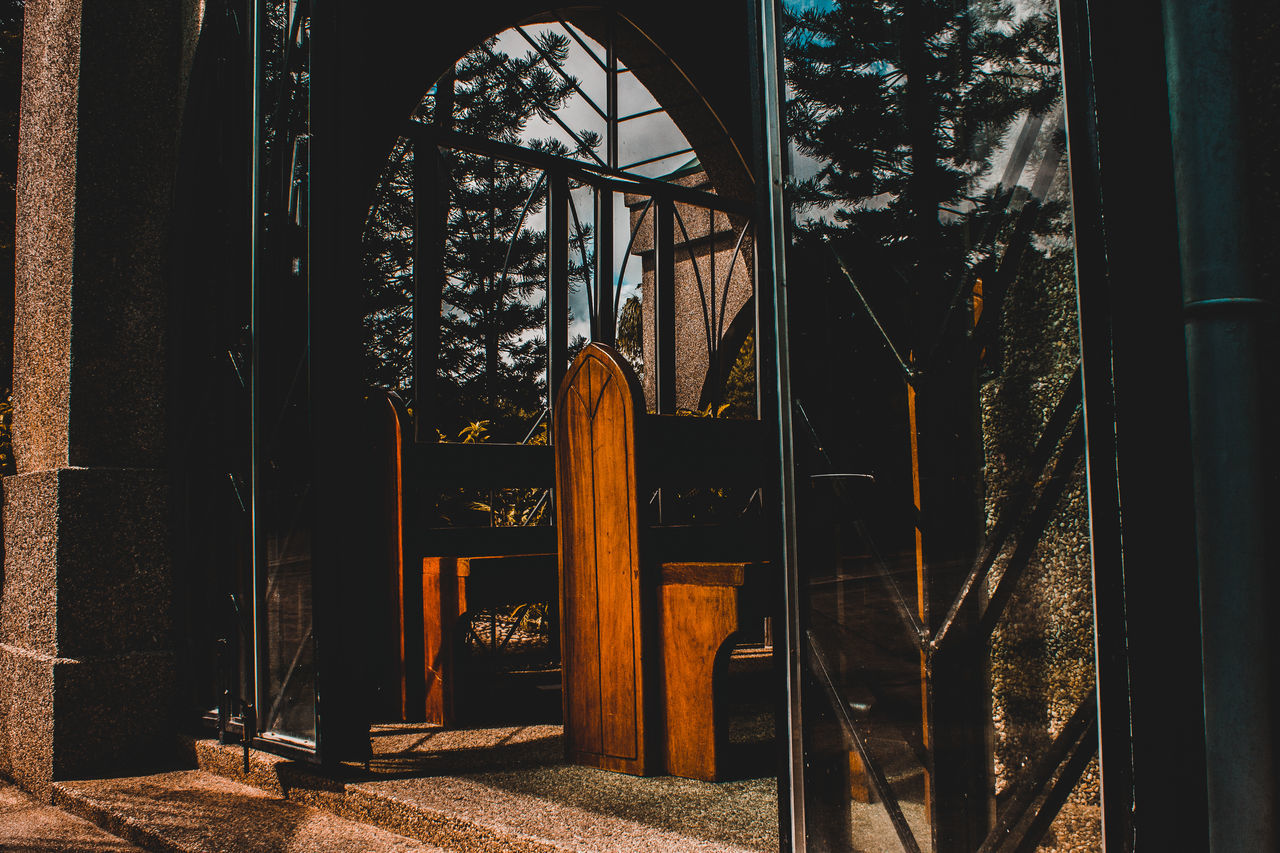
(1223,317)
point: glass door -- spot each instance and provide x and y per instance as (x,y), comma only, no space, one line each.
(942,632)
(283,642)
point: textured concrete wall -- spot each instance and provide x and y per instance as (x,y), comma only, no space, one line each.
(712,253)
(86,665)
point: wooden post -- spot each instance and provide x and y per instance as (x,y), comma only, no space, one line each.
(557,281)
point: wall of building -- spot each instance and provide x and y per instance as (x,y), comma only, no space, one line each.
(86,661)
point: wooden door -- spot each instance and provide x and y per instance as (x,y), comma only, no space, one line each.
(600,570)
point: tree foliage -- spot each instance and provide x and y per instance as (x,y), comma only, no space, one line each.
(903,107)
(491,355)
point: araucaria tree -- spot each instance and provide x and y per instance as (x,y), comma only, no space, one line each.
(904,104)
(490,355)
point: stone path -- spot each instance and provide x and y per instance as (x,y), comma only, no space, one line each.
(191,811)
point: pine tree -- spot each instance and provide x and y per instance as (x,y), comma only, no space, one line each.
(904,103)
(491,356)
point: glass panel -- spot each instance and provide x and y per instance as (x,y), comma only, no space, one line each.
(944,530)
(523,86)
(491,374)
(284,446)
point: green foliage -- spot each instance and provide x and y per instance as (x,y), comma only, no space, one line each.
(631,334)
(740,387)
(6,435)
(514,507)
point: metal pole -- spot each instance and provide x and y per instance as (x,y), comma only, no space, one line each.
(1223,317)
(257,484)
(771,236)
(557,282)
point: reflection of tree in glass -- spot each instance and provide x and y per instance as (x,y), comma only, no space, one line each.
(904,105)
(492,348)
(931,143)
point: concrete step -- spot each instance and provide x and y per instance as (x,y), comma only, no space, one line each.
(27,826)
(506,789)
(192,811)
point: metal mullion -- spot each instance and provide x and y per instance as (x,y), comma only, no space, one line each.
(582,251)
(707,319)
(1018,243)
(557,281)
(573,33)
(611,94)
(257,489)
(550,112)
(606,320)
(1081,722)
(1063,468)
(1085,748)
(648,160)
(642,114)
(1096,312)
(1055,428)
(631,241)
(431,212)
(991,219)
(559,69)
(428,283)
(579,170)
(728,275)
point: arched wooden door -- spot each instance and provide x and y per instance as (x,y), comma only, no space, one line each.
(600,573)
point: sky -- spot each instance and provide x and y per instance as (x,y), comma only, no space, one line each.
(639,139)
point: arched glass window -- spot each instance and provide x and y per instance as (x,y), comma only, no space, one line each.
(551,160)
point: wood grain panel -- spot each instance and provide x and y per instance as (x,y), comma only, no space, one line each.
(444,600)
(697,613)
(600,576)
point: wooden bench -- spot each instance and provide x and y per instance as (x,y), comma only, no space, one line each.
(455,586)
(426,597)
(647,611)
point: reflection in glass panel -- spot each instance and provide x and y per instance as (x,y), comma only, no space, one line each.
(284,449)
(945,540)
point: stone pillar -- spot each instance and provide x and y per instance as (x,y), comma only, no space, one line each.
(86,652)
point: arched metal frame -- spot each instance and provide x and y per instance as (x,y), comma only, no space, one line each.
(606,177)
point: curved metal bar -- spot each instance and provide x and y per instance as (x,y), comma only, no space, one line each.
(822,671)
(626,256)
(728,276)
(582,250)
(707,321)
